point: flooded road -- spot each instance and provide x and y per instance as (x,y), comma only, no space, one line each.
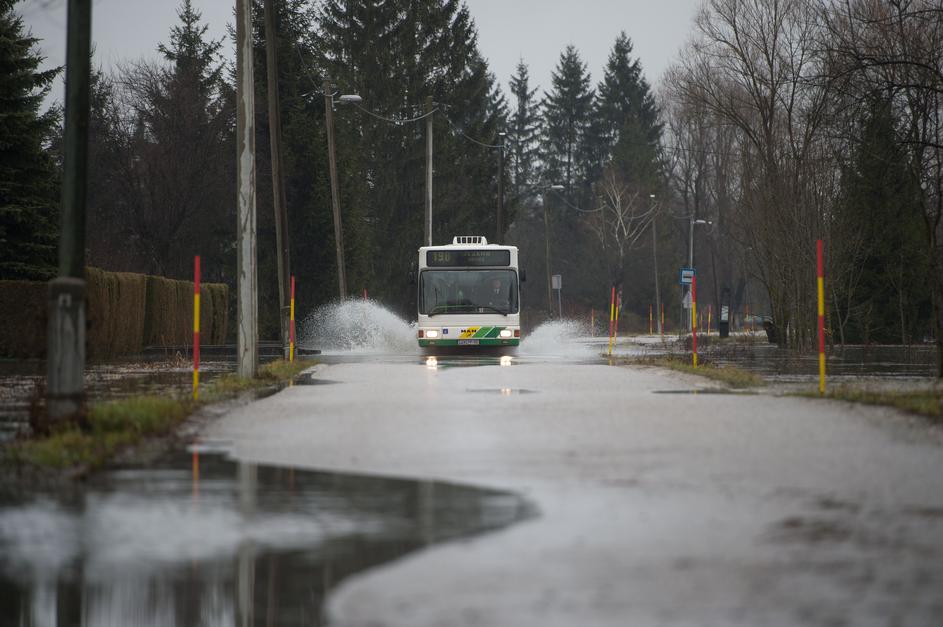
(591,495)
(205,541)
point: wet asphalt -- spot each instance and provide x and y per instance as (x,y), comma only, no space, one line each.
(651,508)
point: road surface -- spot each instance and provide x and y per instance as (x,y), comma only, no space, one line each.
(653,506)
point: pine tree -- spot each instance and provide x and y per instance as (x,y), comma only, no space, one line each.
(523,131)
(28,175)
(625,95)
(395,55)
(567,112)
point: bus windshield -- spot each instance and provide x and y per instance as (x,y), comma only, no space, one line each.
(468,291)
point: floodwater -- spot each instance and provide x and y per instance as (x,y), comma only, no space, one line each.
(204,541)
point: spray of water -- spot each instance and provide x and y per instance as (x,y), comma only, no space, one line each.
(558,338)
(357,326)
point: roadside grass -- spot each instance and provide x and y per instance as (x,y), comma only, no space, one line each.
(112,426)
(729,375)
(928,403)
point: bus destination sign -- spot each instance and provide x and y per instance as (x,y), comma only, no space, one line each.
(461,258)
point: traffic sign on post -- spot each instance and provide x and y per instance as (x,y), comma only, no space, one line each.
(557,281)
(687,275)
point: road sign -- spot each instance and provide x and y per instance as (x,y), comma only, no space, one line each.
(686,301)
(686,275)
(556,281)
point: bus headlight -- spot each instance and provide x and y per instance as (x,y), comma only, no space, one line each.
(432,334)
(506,333)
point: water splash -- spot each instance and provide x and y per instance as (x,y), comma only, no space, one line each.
(357,326)
(559,338)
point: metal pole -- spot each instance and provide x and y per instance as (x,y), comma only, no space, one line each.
(428,220)
(335,192)
(500,221)
(547,247)
(560,302)
(248,305)
(690,260)
(655,264)
(278,179)
(66,304)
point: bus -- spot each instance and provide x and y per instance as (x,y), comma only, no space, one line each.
(469,294)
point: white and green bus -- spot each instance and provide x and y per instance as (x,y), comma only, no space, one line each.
(469,294)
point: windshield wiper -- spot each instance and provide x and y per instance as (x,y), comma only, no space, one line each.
(494,309)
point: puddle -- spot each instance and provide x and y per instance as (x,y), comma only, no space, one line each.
(203,540)
(705,391)
(312,380)
(501,391)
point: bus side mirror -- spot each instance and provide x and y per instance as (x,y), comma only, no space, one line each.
(523,275)
(412,275)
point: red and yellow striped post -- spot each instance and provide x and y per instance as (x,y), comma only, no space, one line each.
(820,274)
(615,332)
(592,322)
(694,321)
(663,319)
(291,323)
(612,317)
(196,327)
(650,320)
(710,311)
(365,297)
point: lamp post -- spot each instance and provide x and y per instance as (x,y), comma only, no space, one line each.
(499,227)
(655,265)
(553,188)
(691,250)
(335,193)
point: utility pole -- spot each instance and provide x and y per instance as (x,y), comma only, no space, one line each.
(335,192)
(247,278)
(278,178)
(66,304)
(428,220)
(547,247)
(655,265)
(500,226)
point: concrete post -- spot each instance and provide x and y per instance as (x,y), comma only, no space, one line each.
(247,278)
(66,304)
(335,191)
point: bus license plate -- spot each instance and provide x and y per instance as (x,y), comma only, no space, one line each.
(468,342)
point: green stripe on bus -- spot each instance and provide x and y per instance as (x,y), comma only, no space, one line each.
(482,332)
(495,331)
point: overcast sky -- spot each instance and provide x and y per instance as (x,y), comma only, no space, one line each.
(508,30)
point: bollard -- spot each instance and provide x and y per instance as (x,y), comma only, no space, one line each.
(592,322)
(615,332)
(291,323)
(650,320)
(710,310)
(365,297)
(196,327)
(663,319)
(820,280)
(694,321)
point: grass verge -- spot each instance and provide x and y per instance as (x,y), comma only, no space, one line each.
(112,426)
(729,375)
(927,403)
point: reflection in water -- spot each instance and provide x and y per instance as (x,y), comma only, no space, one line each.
(207,542)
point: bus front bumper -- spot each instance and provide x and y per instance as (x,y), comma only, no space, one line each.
(471,342)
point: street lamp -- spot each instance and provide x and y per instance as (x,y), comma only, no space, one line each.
(691,250)
(552,188)
(499,227)
(655,266)
(335,193)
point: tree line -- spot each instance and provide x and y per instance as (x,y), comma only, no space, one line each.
(781,122)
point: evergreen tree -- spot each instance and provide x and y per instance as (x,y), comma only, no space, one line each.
(395,55)
(28,175)
(567,118)
(523,131)
(625,95)
(880,201)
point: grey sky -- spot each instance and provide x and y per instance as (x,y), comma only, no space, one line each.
(535,30)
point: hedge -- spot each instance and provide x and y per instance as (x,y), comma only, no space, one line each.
(125,313)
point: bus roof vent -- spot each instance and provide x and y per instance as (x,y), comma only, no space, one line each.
(469,239)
